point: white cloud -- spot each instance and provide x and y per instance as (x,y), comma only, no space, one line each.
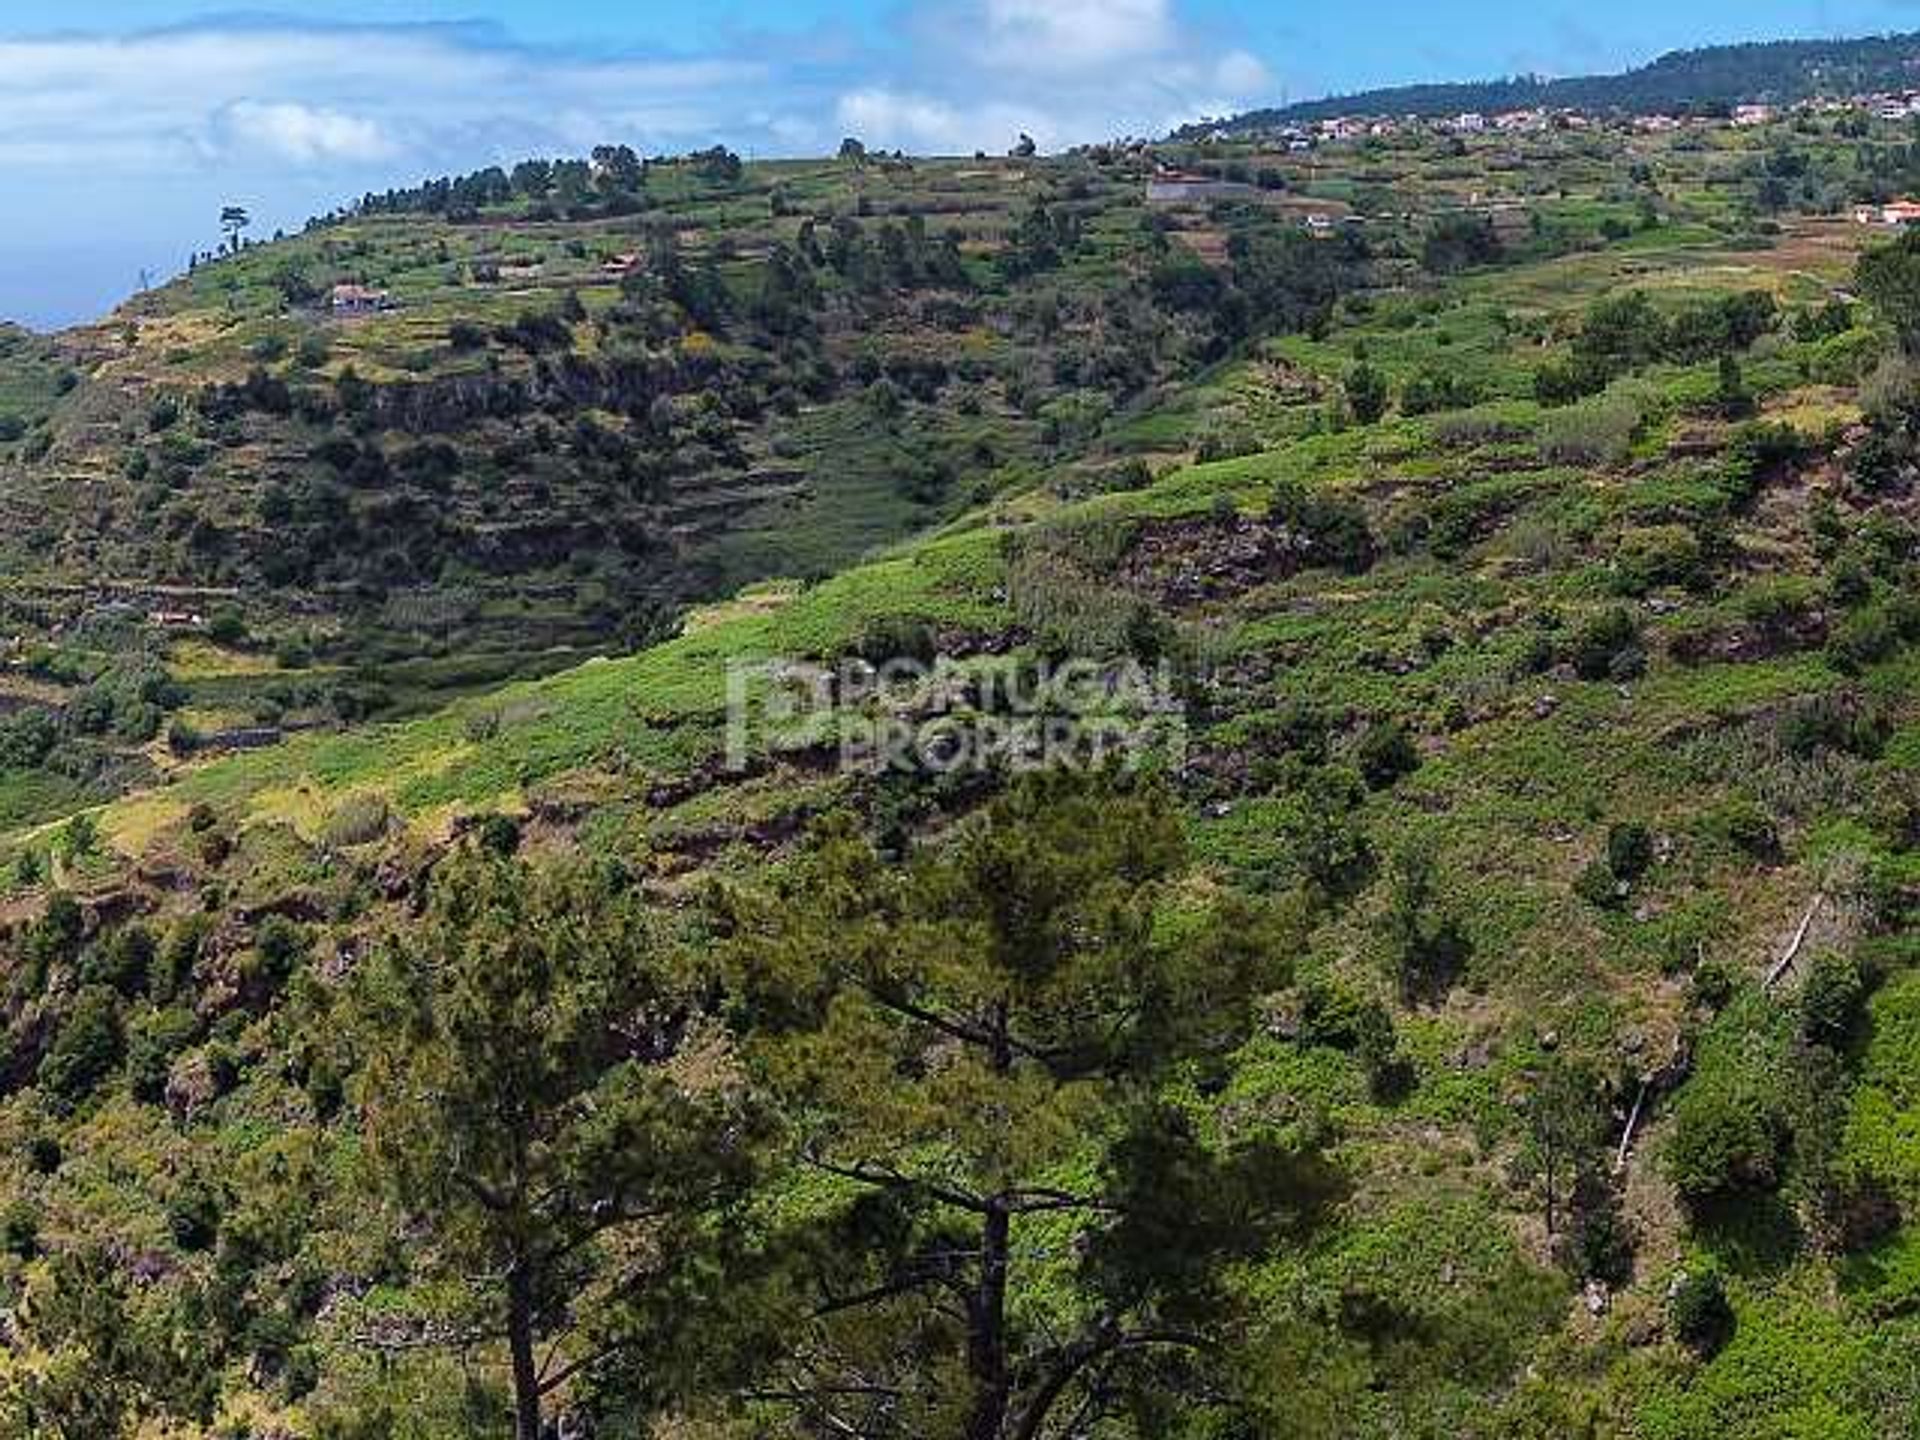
(224,92)
(305,134)
(1241,75)
(930,125)
(1075,34)
(974,73)
(354,97)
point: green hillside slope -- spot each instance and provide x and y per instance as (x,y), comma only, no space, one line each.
(1484,1009)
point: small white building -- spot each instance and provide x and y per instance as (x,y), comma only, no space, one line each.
(351,299)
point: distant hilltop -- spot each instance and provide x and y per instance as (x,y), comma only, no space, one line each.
(1713,79)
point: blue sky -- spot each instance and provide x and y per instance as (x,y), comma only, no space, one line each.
(126,124)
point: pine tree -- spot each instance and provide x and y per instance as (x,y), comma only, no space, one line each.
(976,1044)
(548,1097)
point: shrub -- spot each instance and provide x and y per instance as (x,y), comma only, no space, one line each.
(1744,826)
(1830,999)
(1336,1016)
(20,1230)
(1724,1141)
(1891,394)
(1466,431)
(1599,1241)
(1629,851)
(123,961)
(1620,332)
(499,835)
(1435,389)
(1599,432)
(28,869)
(1562,382)
(1655,555)
(153,1041)
(80,837)
(1712,986)
(56,934)
(183,738)
(1863,638)
(1731,397)
(897,638)
(1606,644)
(1758,451)
(1335,527)
(1385,753)
(278,948)
(227,626)
(1698,1310)
(1778,606)
(193,1217)
(1877,462)
(1225,442)
(1131,474)
(1428,948)
(358,820)
(88,1047)
(179,953)
(1366,393)
(1598,886)
(1848,584)
(1459,242)
(1836,721)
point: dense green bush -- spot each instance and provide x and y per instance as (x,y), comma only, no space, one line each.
(1366,391)
(1699,1312)
(1607,646)
(1726,1139)
(1655,555)
(1225,441)
(1866,637)
(1385,753)
(88,1046)
(1434,389)
(154,1040)
(1599,432)
(1830,998)
(1459,242)
(1758,451)
(1629,851)
(1334,526)
(1599,1241)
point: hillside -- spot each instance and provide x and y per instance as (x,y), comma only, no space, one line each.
(1703,81)
(555,417)
(1487,1009)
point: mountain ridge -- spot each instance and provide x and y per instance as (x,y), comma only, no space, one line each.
(1706,77)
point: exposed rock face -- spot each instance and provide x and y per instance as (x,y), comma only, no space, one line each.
(1187,563)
